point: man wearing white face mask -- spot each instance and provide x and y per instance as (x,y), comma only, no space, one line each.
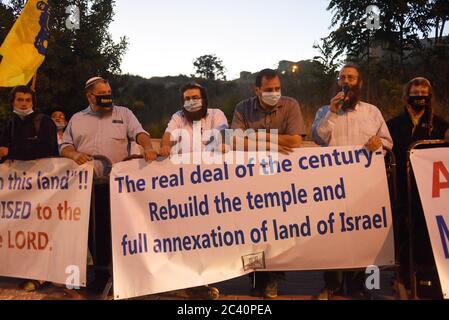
(269,110)
(28,135)
(195,119)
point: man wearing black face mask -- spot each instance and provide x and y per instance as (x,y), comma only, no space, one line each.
(103,129)
(417,122)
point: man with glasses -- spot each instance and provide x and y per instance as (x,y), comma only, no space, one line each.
(347,121)
(194,128)
(194,120)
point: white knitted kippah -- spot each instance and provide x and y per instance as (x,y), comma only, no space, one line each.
(93,80)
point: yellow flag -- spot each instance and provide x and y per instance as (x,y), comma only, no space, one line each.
(25,46)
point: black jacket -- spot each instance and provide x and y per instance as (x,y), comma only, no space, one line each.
(401,130)
(34,137)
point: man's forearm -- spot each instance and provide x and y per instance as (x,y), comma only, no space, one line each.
(68,152)
(323,127)
(167,140)
(144,141)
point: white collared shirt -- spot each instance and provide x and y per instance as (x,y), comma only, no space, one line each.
(102,134)
(182,131)
(353,127)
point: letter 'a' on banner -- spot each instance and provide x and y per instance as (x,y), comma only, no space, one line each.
(25,46)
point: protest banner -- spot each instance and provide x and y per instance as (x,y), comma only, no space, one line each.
(44,219)
(183,225)
(431,169)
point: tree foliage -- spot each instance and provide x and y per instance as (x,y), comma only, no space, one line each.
(401,25)
(209,67)
(75,55)
(329,57)
(402,48)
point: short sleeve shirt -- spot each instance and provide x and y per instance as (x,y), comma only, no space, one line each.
(102,134)
(182,130)
(286,116)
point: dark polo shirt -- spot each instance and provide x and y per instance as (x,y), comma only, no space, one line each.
(286,116)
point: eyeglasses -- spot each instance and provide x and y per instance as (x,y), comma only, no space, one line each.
(24,99)
(349,78)
(192,98)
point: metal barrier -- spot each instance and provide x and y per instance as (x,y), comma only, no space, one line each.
(391,170)
(411,187)
(102,180)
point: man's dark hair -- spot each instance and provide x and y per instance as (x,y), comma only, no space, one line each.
(52,110)
(194,85)
(267,74)
(56,109)
(22,89)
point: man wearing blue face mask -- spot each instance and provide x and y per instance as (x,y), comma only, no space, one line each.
(28,135)
(269,110)
(195,127)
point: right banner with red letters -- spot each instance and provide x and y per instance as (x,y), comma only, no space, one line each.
(431,169)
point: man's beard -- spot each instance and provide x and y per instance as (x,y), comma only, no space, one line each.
(196,115)
(354,98)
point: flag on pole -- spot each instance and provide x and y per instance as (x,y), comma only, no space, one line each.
(25,46)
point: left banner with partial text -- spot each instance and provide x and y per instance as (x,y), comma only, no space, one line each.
(44,220)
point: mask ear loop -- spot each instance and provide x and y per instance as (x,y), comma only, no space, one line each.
(254,280)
